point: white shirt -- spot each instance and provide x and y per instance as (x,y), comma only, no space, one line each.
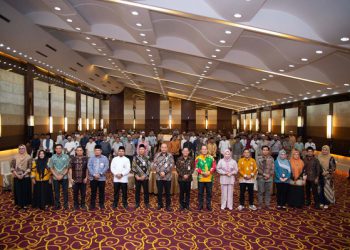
(120,165)
(253,145)
(223,145)
(59,139)
(182,143)
(308,144)
(90,147)
(193,138)
(50,147)
(69,146)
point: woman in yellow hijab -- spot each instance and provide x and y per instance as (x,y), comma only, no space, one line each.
(326,179)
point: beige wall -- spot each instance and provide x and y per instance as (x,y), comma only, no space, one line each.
(317,120)
(41,104)
(276,121)
(291,120)
(341,120)
(71,110)
(83,111)
(105,113)
(264,121)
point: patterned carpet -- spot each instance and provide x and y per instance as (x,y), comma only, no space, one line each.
(152,229)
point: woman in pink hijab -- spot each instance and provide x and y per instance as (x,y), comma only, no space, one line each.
(227,168)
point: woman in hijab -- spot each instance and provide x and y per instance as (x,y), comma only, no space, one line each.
(20,168)
(296,196)
(41,179)
(227,168)
(282,176)
(328,165)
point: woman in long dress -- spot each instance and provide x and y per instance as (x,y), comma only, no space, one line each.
(41,179)
(328,165)
(282,175)
(21,166)
(296,196)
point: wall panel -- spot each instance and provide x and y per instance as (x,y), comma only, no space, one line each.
(105,113)
(57,108)
(71,110)
(83,111)
(200,119)
(11,109)
(291,120)
(276,121)
(41,107)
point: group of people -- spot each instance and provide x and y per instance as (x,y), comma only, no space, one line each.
(258,162)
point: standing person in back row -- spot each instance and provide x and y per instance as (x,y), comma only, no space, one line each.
(59,166)
(185,168)
(120,168)
(98,165)
(141,167)
(163,164)
(205,166)
(313,171)
(247,171)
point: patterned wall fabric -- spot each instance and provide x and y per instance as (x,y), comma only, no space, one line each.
(71,110)
(83,110)
(41,104)
(316,124)
(11,108)
(291,119)
(105,112)
(57,108)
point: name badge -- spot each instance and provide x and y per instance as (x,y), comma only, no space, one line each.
(101,164)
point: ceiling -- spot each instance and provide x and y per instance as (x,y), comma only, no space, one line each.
(240,54)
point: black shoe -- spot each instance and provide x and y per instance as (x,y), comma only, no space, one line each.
(66,207)
(83,207)
(137,205)
(182,208)
(125,206)
(159,207)
(57,208)
(188,208)
(200,208)
(76,207)
(147,206)
(209,208)
(168,209)
(317,207)
(114,206)
(102,207)
(307,203)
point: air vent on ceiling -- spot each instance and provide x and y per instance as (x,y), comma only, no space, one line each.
(91,79)
(5,19)
(40,53)
(80,64)
(97,75)
(50,47)
(73,69)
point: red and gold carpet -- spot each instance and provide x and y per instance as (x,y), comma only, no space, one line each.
(152,229)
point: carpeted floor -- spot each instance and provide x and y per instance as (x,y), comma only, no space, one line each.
(152,229)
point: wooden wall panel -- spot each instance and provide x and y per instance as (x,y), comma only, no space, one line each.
(234,121)
(176,113)
(254,122)
(11,109)
(116,112)
(105,113)
(41,104)
(152,112)
(212,119)
(224,120)
(341,120)
(291,120)
(71,110)
(128,114)
(83,111)
(317,120)
(264,121)
(188,115)
(164,113)
(97,113)
(57,109)
(200,119)
(140,114)
(276,121)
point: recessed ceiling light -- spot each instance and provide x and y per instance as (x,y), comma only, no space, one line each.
(142,34)
(148,50)
(304,59)
(344,39)
(153,64)
(228,32)
(109,59)
(145,42)
(346,84)
(271,76)
(217,50)
(213,56)
(87,38)
(318,90)
(281,70)
(319,51)
(104,54)
(291,66)
(99,49)
(135,13)
(69,20)
(202,74)
(204,71)
(57,8)
(150,55)
(139,24)
(264,79)
(237,15)
(77,28)
(329,88)
(222,41)
(207,67)
(94,44)
(1,45)
(308,93)
(257,82)
(210,62)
